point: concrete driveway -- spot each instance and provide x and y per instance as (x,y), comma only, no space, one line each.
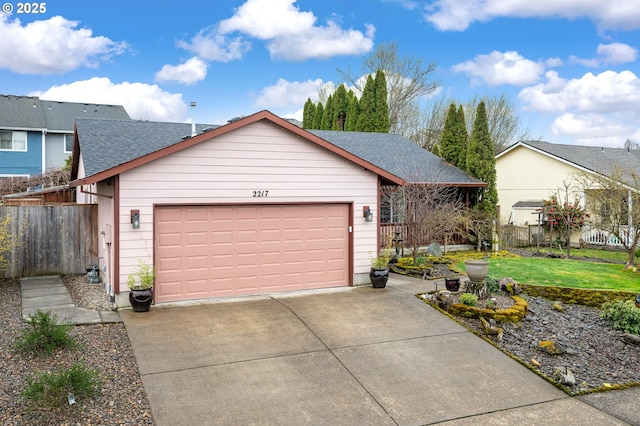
(346,356)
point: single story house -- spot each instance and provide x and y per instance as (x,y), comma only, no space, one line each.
(36,136)
(529,172)
(257,205)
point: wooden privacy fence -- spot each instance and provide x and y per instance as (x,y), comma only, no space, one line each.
(56,240)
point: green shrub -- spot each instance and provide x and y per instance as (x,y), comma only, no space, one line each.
(492,285)
(53,389)
(44,334)
(468,299)
(622,315)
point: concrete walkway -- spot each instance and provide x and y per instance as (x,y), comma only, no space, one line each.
(50,294)
(342,357)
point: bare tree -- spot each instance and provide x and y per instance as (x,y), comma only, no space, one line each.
(614,201)
(407,79)
(430,211)
(505,126)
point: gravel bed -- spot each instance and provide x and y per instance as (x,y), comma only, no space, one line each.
(105,348)
(596,354)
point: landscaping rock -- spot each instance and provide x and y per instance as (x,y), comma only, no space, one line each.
(564,375)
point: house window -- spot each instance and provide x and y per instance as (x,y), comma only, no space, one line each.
(68,143)
(13,141)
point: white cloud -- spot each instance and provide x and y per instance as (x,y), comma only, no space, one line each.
(457,15)
(609,54)
(211,46)
(499,68)
(52,46)
(288,93)
(617,53)
(268,19)
(593,109)
(293,35)
(605,92)
(190,72)
(142,101)
(593,129)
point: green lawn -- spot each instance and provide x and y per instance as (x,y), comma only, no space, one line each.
(619,256)
(564,273)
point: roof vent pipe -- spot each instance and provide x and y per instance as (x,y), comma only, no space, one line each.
(193,121)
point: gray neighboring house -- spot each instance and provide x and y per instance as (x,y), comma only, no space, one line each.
(37,135)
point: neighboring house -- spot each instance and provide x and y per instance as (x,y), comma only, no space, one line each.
(37,136)
(528,172)
(257,205)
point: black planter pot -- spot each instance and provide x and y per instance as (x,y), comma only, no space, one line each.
(379,277)
(140,300)
(452,284)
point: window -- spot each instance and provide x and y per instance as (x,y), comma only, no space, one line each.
(13,141)
(68,143)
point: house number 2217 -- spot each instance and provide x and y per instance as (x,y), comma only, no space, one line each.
(260,193)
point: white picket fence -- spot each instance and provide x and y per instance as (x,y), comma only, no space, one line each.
(595,236)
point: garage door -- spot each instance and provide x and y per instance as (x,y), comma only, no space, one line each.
(207,251)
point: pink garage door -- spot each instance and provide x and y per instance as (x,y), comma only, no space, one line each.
(207,251)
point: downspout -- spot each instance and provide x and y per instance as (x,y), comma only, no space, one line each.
(94,193)
(116,235)
(44,153)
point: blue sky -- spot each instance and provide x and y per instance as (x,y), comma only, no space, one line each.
(570,67)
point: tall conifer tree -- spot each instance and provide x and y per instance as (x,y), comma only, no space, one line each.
(448,141)
(365,121)
(481,160)
(307,114)
(462,139)
(381,117)
(317,117)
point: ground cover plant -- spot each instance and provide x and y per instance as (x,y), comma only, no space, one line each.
(54,389)
(44,334)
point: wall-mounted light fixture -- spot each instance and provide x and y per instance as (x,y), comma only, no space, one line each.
(367,213)
(135,219)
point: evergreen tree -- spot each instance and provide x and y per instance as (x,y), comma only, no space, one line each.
(327,117)
(340,107)
(381,112)
(365,122)
(448,141)
(317,117)
(307,114)
(481,160)
(435,149)
(462,139)
(352,113)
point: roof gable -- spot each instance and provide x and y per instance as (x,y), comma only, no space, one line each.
(111,147)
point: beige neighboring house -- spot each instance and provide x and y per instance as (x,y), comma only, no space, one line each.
(528,172)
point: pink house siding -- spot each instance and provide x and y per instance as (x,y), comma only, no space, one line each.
(257,163)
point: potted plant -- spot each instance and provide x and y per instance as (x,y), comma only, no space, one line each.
(477,269)
(379,273)
(140,283)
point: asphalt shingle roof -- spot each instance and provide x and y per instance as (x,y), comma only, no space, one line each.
(30,112)
(21,112)
(106,144)
(62,115)
(596,159)
(109,143)
(399,156)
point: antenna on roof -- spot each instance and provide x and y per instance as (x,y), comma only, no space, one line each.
(193,121)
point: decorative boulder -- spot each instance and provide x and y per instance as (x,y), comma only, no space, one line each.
(434,249)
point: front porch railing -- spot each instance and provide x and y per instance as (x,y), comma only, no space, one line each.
(390,231)
(599,237)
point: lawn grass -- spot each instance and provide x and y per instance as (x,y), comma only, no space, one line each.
(616,255)
(564,273)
